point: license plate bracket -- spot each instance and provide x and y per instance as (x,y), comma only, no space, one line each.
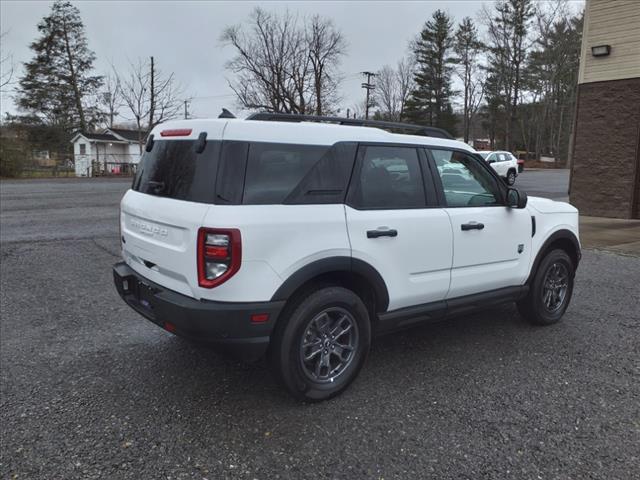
(144,295)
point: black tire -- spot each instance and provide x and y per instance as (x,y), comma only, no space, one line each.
(540,307)
(511,177)
(304,324)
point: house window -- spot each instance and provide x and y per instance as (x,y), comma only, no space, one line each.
(83,149)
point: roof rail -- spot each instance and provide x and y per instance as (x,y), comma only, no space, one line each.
(408,127)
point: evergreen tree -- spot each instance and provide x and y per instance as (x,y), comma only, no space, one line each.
(57,85)
(508,29)
(430,101)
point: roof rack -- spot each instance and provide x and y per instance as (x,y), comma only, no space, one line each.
(393,126)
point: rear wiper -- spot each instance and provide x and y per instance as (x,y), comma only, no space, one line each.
(157,186)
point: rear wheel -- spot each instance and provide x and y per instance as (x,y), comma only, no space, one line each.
(322,345)
(550,291)
(511,177)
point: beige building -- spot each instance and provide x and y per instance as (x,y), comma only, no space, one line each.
(605,174)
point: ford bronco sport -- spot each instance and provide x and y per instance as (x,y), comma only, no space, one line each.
(302,237)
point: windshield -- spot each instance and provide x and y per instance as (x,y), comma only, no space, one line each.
(484,154)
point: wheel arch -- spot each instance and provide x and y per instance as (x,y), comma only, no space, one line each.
(563,239)
(352,273)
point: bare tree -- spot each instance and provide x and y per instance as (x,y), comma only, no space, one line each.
(405,73)
(326,46)
(150,96)
(358,109)
(281,66)
(6,66)
(385,95)
(110,97)
(393,87)
(467,47)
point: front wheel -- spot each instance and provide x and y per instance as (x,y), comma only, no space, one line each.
(550,290)
(322,345)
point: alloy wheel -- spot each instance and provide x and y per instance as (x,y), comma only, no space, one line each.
(329,344)
(555,286)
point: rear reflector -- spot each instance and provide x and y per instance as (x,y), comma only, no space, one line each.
(216,252)
(176,132)
(169,327)
(259,318)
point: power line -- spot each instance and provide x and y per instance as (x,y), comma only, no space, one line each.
(368,86)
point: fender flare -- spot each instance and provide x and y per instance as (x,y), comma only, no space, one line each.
(562,234)
(336,265)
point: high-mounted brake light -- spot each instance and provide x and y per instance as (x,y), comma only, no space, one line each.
(176,132)
(219,255)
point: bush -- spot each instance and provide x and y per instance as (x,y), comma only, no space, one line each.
(12,158)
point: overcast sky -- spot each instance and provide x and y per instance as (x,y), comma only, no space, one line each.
(184,37)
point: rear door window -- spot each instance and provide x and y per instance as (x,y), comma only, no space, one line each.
(387,178)
(173,169)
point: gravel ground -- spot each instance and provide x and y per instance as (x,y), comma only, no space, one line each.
(89,389)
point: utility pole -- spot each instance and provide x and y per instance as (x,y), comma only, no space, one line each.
(152,93)
(368,86)
(186,111)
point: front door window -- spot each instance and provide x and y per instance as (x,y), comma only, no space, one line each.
(464,181)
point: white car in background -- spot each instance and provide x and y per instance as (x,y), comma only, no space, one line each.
(504,163)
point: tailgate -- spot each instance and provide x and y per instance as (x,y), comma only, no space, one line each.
(159,239)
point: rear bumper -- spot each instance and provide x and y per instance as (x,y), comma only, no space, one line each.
(224,324)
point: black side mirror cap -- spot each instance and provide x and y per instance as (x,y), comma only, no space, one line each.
(516,198)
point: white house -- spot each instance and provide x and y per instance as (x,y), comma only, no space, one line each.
(113,151)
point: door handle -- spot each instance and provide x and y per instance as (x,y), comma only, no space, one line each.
(472,226)
(382,233)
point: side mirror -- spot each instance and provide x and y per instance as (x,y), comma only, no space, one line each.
(516,198)
(491,161)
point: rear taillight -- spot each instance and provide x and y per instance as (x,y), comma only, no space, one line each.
(219,255)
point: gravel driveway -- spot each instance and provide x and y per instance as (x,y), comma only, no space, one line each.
(89,389)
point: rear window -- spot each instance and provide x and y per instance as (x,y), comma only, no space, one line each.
(173,169)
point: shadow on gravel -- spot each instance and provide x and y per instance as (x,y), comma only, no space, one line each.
(175,371)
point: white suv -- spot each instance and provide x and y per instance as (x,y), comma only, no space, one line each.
(504,163)
(301,240)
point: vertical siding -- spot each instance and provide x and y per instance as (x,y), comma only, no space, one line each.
(615,23)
